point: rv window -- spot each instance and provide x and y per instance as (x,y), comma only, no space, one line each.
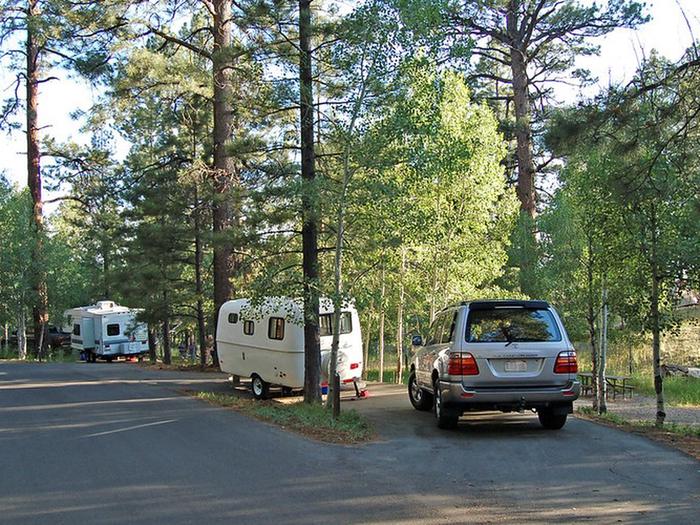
(113,329)
(76,329)
(248,327)
(275,328)
(327,321)
(233,318)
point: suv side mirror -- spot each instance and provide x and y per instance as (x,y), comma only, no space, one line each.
(417,340)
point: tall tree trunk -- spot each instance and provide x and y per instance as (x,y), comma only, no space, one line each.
(152,345)
(338,281)
(521,101)
(310,211)
(223,163)
(199,288)
(40,309)
(368,338)
(382,315)
(399,319)
(656,353)
(433,292)
(167,351)
(6,337)
(526,244)
(602,383)
(21,335)
(656,321)
(590,320)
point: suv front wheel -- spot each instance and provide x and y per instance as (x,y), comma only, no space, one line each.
(420,399)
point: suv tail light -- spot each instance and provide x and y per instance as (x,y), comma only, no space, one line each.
(462,365)
(566,363)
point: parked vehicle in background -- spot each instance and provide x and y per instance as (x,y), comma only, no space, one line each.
(58,337)
(266,343)
(106,331)
(55,337)
(501,355)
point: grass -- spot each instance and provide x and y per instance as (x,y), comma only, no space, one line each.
(314,421)
(54,355)
(641,426)
(678,391)
(389,376)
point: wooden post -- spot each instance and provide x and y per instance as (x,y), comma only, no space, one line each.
(336,396)
(602,383)
(381,329)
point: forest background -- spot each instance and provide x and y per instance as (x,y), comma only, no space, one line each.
(408,154)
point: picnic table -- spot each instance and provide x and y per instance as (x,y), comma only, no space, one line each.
(616,385)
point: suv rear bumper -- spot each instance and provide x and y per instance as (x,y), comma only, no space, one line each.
(456,397)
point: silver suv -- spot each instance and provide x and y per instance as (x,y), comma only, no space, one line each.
(495,355)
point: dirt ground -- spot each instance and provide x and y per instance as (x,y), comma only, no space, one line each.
(640,409)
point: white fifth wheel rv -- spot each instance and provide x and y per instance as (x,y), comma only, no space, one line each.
(106,331)
(266,343)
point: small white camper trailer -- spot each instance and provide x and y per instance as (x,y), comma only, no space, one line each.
(106,331)
(266,343)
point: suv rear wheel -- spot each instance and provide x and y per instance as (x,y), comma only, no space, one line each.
(551,421)
(420,399)
(445,420)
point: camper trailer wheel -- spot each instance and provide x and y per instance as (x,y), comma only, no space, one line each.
(110,359)
(259,387)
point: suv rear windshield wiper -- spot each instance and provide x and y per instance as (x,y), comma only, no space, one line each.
(506,332)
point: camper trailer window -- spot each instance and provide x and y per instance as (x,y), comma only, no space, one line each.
(248,327)
(327,321)
(76,329)
(233,318)
(113,329)
(275,328)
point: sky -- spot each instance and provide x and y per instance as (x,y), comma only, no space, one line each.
(621,52)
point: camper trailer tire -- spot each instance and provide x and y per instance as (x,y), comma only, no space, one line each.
(259,387)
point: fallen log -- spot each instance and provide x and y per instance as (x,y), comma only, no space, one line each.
(679,371)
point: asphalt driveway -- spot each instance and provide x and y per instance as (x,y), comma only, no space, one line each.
(116,443)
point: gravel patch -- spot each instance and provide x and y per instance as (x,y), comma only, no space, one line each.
(641,408)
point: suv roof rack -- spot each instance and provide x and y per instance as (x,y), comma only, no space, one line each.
(488,304)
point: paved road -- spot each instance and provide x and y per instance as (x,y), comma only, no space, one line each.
(115,443)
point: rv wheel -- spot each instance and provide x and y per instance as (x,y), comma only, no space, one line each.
(259,387)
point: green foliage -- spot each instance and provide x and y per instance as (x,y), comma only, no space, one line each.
(15,256)
(439,191)
(678,391)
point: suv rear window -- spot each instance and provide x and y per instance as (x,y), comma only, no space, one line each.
(502,325)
